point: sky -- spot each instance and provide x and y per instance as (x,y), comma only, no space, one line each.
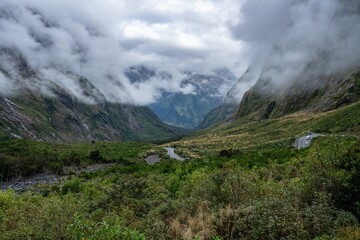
(99,39)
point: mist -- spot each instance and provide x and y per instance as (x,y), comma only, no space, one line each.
(281,42)
(300,42)
(62,39)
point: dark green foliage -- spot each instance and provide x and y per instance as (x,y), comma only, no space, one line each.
(21,158)
(266,191)
(72,186)
(96,156)
(259,157)
(263,193)
(348,195)
(269,110)
(344,121)
(228,153)
(346,219)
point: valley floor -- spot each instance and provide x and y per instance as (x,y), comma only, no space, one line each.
(243,181)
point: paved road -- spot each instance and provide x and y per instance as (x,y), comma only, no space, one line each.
(305,141)
(172,154)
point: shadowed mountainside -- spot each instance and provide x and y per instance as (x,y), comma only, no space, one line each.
(54,114)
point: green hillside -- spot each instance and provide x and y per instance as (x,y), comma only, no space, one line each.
(65,119)
(331,93)
(274,132)
(244,181)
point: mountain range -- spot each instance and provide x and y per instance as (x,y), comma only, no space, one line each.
(57,116)
(187,110)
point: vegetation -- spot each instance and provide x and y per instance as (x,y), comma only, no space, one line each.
(22,158)
(65,119)
(289,194)
(246,182)
(272,133)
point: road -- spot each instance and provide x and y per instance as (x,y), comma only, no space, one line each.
(172,154)
(305,141)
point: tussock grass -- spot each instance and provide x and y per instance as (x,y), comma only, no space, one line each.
(279,132)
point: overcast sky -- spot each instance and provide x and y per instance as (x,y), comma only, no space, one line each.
(99,39)
(95,38)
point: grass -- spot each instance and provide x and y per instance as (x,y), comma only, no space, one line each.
(25,158)
(280,132)
(247,180)
(109,150)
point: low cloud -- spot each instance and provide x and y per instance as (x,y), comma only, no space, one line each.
(298,42)
(101,39)
(6,86)
(277,41)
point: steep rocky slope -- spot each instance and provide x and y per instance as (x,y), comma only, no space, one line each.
(42,110)
(333,92)
(64,119)
(313,64)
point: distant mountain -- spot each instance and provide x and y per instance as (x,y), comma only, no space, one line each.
(57,116)
(226,112)
(187,111)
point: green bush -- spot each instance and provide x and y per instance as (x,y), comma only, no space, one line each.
(109,228)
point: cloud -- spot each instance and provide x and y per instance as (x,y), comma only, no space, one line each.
(6,85)
(277,41)
(298,42)
(101,39)
(258,26)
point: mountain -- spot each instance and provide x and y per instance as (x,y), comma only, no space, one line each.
(64,119)
(56,115)
(311,93)
(227,110)
(224,113)
(324,94)
(308,68)
(187,110)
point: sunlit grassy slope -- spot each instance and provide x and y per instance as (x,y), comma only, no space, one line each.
(271,133)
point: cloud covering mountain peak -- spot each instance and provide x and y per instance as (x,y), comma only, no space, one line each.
(101,39)
(277,40)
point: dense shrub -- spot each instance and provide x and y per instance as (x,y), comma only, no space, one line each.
(282,194)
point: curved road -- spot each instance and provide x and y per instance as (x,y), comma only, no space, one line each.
(305,141)
(172,154)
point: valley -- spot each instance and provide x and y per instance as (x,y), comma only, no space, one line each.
(187,110)
(232,169)
(179,120)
